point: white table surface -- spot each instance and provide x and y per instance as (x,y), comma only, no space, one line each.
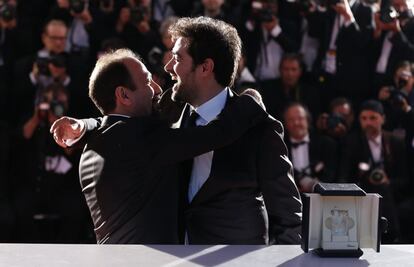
(162,255)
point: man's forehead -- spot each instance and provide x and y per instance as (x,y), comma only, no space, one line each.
(180,44)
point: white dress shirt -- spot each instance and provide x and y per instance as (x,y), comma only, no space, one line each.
(385,54)
(376,146)
(202,164)
(300,154)
(270,55)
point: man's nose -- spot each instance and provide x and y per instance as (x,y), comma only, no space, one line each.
(168,67)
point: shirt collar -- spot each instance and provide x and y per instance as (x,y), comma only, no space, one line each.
(210,109)
(305,139)
(376,141)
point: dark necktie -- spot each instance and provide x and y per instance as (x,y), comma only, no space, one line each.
(297,144)
(186,167)
(191,119)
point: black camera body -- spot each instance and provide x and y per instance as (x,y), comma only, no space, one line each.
(77,6)
(263,11)
(7,12)
(333,120)
(377,175)
(389,14)
(58,60)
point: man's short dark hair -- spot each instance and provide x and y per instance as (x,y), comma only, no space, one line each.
(292,57)
(109,73)
(340,101)
(210,38)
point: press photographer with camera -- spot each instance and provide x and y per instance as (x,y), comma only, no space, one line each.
(397,97)
(394,39)
(314,157)
(344,31)
(339,122)
(137,29)
(46,195)
(266,39)
(38,70)
(290,87)
(376,160)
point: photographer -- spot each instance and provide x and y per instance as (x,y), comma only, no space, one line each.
(344,31)
(395,96)
(39,70)
(314,157)
(137,29)
(266,39)
(376,160)
(290,87)
(394,39)
(339,122)
(46,195)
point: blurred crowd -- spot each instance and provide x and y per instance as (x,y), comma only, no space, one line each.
(337,73)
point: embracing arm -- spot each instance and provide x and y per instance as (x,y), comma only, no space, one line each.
(174,145)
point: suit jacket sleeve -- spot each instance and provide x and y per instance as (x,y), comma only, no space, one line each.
(175,145)
(281,196)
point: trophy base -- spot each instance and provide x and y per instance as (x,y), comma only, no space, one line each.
(338,253)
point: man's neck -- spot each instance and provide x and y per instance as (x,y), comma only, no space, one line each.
(207,94)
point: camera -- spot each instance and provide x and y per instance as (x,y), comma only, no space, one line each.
(58,60)
(376,176)
(47,100)
(389,14)
(7,12)
(138,14)
(333,120)
(263,11)
(77,6)
(397,95)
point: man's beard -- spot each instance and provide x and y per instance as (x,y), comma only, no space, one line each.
(177,93)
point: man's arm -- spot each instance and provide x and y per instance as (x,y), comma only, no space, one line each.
(174,145)
(281,196)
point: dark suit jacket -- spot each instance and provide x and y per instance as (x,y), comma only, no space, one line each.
(322,149)
(276,100)
(352,47)
(356,150)
(250,194)
(123,163)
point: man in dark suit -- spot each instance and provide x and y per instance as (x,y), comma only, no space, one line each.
(314,156)
(376,160)
(124,160)
(345,31)
(243,193)
(393,40)
(290,87)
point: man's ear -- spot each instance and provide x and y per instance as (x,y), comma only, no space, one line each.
(122,95)
(207,66)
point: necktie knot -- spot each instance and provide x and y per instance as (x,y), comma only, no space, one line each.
(192,118)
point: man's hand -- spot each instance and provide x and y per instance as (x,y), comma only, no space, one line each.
(344,9)
(65,129)
(255,95)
